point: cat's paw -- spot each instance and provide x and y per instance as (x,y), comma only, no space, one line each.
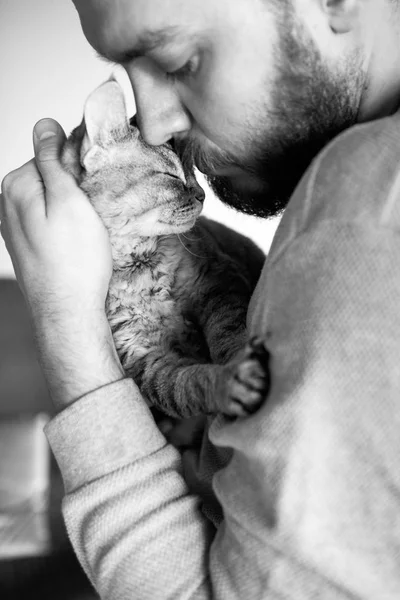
(248,385)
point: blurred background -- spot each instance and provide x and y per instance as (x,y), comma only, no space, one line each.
(48,69)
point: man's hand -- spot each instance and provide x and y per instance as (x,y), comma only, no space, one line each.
(62,259)
(57,243)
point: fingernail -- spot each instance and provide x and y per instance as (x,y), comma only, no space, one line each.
(45,128)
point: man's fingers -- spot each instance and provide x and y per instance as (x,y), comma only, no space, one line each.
(48,140)
(21,188)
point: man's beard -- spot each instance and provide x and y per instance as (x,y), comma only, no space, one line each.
(311,104)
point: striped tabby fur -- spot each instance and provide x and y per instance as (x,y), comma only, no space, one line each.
(181,284)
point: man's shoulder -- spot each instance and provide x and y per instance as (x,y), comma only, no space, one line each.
(354,178)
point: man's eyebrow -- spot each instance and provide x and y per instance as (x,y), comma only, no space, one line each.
(147,41)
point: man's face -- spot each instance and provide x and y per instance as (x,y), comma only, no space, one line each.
(240,86)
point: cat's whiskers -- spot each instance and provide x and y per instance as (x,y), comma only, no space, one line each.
(187,249)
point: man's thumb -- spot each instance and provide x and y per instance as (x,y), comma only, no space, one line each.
(48,139)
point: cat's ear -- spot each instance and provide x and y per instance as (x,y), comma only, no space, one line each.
(106,119)
(105,113)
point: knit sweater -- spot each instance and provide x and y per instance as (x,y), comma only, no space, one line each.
(311,496)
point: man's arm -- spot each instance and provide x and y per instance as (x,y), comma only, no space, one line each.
(62,259)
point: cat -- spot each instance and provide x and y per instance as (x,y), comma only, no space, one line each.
(181,283)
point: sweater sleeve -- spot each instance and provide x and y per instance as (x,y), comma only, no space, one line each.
(311,496)
(134,527)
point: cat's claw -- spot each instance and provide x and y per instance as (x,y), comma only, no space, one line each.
(248,386)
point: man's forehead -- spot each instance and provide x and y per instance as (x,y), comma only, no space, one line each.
(100,17)
(110,22)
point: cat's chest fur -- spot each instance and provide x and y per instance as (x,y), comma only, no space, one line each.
(150,300)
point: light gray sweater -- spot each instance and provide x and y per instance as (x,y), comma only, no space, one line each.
(311,496)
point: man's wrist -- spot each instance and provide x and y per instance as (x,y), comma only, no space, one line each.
(77,356)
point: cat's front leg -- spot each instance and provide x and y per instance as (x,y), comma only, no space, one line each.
(247,381)
(181,387)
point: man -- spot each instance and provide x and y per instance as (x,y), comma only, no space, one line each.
(252,90)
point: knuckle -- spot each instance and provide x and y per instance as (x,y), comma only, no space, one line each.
(3,231)
(17,186)
(9,183)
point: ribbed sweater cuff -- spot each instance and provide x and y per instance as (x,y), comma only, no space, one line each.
(103,431)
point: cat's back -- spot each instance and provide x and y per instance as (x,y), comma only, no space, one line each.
(222,245)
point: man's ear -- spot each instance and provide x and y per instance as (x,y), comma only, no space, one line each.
(106,119)
(343,15)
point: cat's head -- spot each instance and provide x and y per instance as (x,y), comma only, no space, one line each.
(129,182)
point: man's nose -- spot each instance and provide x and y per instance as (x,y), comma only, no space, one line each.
(160,113)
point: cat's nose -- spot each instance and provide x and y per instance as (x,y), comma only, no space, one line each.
(198,194)
(133,122)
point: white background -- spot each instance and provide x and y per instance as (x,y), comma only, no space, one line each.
(47,70)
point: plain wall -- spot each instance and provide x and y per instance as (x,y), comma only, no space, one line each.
(47,70)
